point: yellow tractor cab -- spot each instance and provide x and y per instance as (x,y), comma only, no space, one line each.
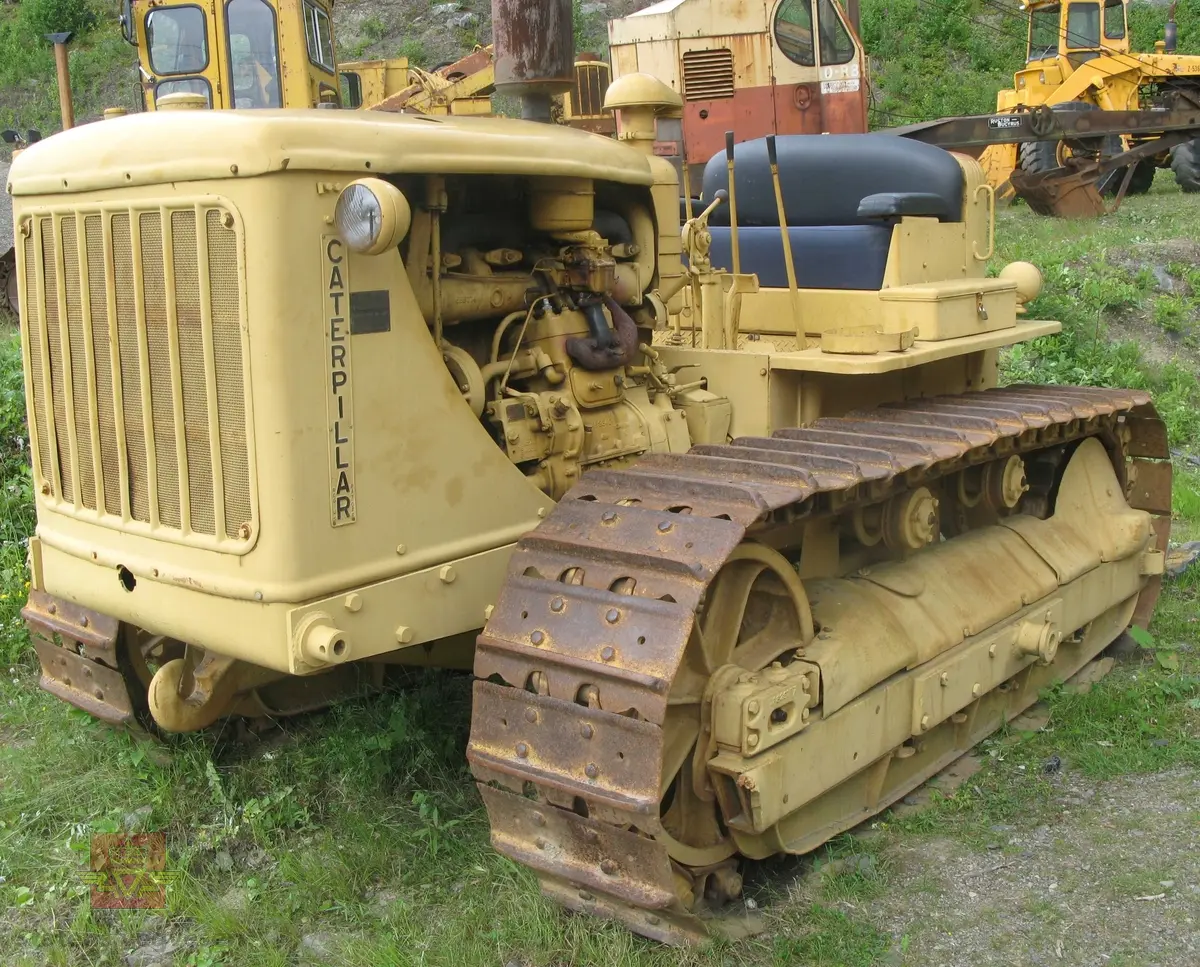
(235,54)
(1063,36)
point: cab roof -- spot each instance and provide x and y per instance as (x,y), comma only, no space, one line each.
(194,145)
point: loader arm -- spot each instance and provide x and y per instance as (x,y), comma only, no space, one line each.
(434,92)
(1097,76)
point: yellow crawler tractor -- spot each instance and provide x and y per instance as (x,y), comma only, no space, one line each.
(1079,59)
(738,557)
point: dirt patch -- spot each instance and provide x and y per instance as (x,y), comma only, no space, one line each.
(1162,261)
(1113,879)
(1158,257)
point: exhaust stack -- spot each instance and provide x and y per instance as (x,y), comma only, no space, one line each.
(533,51)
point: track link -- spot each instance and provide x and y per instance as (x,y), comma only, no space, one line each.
(578,659)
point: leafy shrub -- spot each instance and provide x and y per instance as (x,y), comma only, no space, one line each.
(56,16)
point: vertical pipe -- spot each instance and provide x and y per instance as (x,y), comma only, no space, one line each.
(64,78)
(687,188)
(852,15)
(793,289)
(733,223)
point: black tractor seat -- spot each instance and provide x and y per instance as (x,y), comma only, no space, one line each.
(842,194)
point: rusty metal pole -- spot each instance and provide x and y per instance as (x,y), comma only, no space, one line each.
(534,51)
(60,42)
(853,16)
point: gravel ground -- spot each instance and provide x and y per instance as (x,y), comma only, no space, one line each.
(1113,880)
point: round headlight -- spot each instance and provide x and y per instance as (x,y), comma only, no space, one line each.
(371,216)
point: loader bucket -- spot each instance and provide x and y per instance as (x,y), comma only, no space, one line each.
(1060,192)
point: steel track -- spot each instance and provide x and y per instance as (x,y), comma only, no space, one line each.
(579,654)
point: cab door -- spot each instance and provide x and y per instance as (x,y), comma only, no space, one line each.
(179,50)
(819,69)
(307,53)
(251,53)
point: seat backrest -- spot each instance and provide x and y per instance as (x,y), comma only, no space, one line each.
(824,177)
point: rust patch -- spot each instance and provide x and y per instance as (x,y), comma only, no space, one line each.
(77,648)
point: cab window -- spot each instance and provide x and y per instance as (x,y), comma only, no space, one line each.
(1114,20)
(1043,32)
(253,54)
(178,41)
(794,31)
(351,87)
(187,85)
(836,45)
(319,32)
(1083,25)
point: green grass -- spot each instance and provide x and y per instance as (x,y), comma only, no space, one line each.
(361,824)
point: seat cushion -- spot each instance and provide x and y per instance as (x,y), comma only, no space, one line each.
(825,177)
(827,257)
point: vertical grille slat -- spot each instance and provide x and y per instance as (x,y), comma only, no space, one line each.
(137,380)
(227,351)
(80,390)
(130,354)
(35,337)
(54,345)
(193,375)
(162,397)
(106,411)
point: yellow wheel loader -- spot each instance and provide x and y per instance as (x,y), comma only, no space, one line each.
(1079,60)
(731,519)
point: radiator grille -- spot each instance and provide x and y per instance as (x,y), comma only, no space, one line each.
(137,372)
(591,84)
(708,74)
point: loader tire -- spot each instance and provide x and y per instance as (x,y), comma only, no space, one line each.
(8,282)
(1038,156)
(1142,180)
(1185,162)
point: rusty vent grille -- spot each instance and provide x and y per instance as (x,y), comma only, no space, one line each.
(137,370)
(591,84)
(708,74)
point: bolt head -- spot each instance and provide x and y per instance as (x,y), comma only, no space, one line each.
(557,605)
(608,867)
(608,653)
(664,527)
(530,715)
(592,771)
(536,638)
(609,516)
(924,722)
(753,707)
(522,750)
(539,819)
(586,730)
(612,616)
